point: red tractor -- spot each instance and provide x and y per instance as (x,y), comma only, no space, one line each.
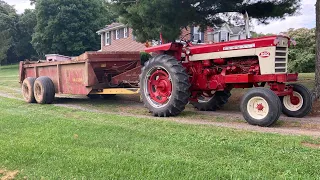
(204,75)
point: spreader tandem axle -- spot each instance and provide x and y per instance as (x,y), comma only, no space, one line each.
(204,75)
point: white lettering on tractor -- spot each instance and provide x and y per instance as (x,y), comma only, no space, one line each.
(245,46)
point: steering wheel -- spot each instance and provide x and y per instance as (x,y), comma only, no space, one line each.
(188,42)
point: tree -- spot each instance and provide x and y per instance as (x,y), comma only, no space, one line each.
(317,74)
(25,26)
(8,20)
(302,56)
(68,26)
(150,17)
(15,34)
(256,35)
(32,2)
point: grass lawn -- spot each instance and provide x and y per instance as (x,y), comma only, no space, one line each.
(9,77)
(49,142)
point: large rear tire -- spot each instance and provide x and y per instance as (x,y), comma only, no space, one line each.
(44,90)
(300,104)
(261,106)
(164,86)
(216,102)
(28,90)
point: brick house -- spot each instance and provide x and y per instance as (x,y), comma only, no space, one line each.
(119,37)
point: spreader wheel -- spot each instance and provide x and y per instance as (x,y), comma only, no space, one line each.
(261,106)
(300,104)
(164,86)
(27,90)
(213,103)
(44,90)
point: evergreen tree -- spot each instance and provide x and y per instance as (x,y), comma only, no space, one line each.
(150,17)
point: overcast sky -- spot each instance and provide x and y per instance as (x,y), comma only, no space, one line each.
(305,19)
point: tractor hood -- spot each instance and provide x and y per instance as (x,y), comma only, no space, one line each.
(240,44)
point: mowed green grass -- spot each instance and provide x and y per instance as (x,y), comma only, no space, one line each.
(9,76)
(49,142)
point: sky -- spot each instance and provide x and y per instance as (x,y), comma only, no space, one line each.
(306,18)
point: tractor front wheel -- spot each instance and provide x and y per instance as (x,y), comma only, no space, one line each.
(300,104)
(164,86)
(261,106)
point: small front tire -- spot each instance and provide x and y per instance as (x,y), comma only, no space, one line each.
(300,104)
(261,106)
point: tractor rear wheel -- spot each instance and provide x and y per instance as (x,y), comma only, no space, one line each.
(261,106)
(164,86)
(44,90)
(300,104)
(28,90)
(213,103)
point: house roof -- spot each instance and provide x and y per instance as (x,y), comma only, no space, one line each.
(237,29)
(232,29)
(112,26)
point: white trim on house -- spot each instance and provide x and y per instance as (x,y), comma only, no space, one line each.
(110,29)
(117,34)
(125,32)
(107,38)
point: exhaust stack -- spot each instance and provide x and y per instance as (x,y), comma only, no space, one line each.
(246,20)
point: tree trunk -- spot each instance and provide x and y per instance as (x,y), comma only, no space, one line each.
(317,74)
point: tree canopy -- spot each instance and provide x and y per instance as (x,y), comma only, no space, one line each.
(15,34)
(25,26)
(302,56)
(68,26)
(150,17)
(8,21)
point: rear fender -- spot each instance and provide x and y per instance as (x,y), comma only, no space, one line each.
(173,49)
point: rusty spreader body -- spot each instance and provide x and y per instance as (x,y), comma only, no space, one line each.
(89,73)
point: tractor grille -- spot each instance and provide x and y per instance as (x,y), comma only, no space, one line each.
(281,60)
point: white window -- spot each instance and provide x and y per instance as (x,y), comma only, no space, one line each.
(197,35)
(125,32)
(107,38)
(117,34)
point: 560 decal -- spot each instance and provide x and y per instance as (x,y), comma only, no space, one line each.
(265,54)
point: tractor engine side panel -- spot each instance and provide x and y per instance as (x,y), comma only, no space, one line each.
(266,57)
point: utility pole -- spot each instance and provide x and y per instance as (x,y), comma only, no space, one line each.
(317,65)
